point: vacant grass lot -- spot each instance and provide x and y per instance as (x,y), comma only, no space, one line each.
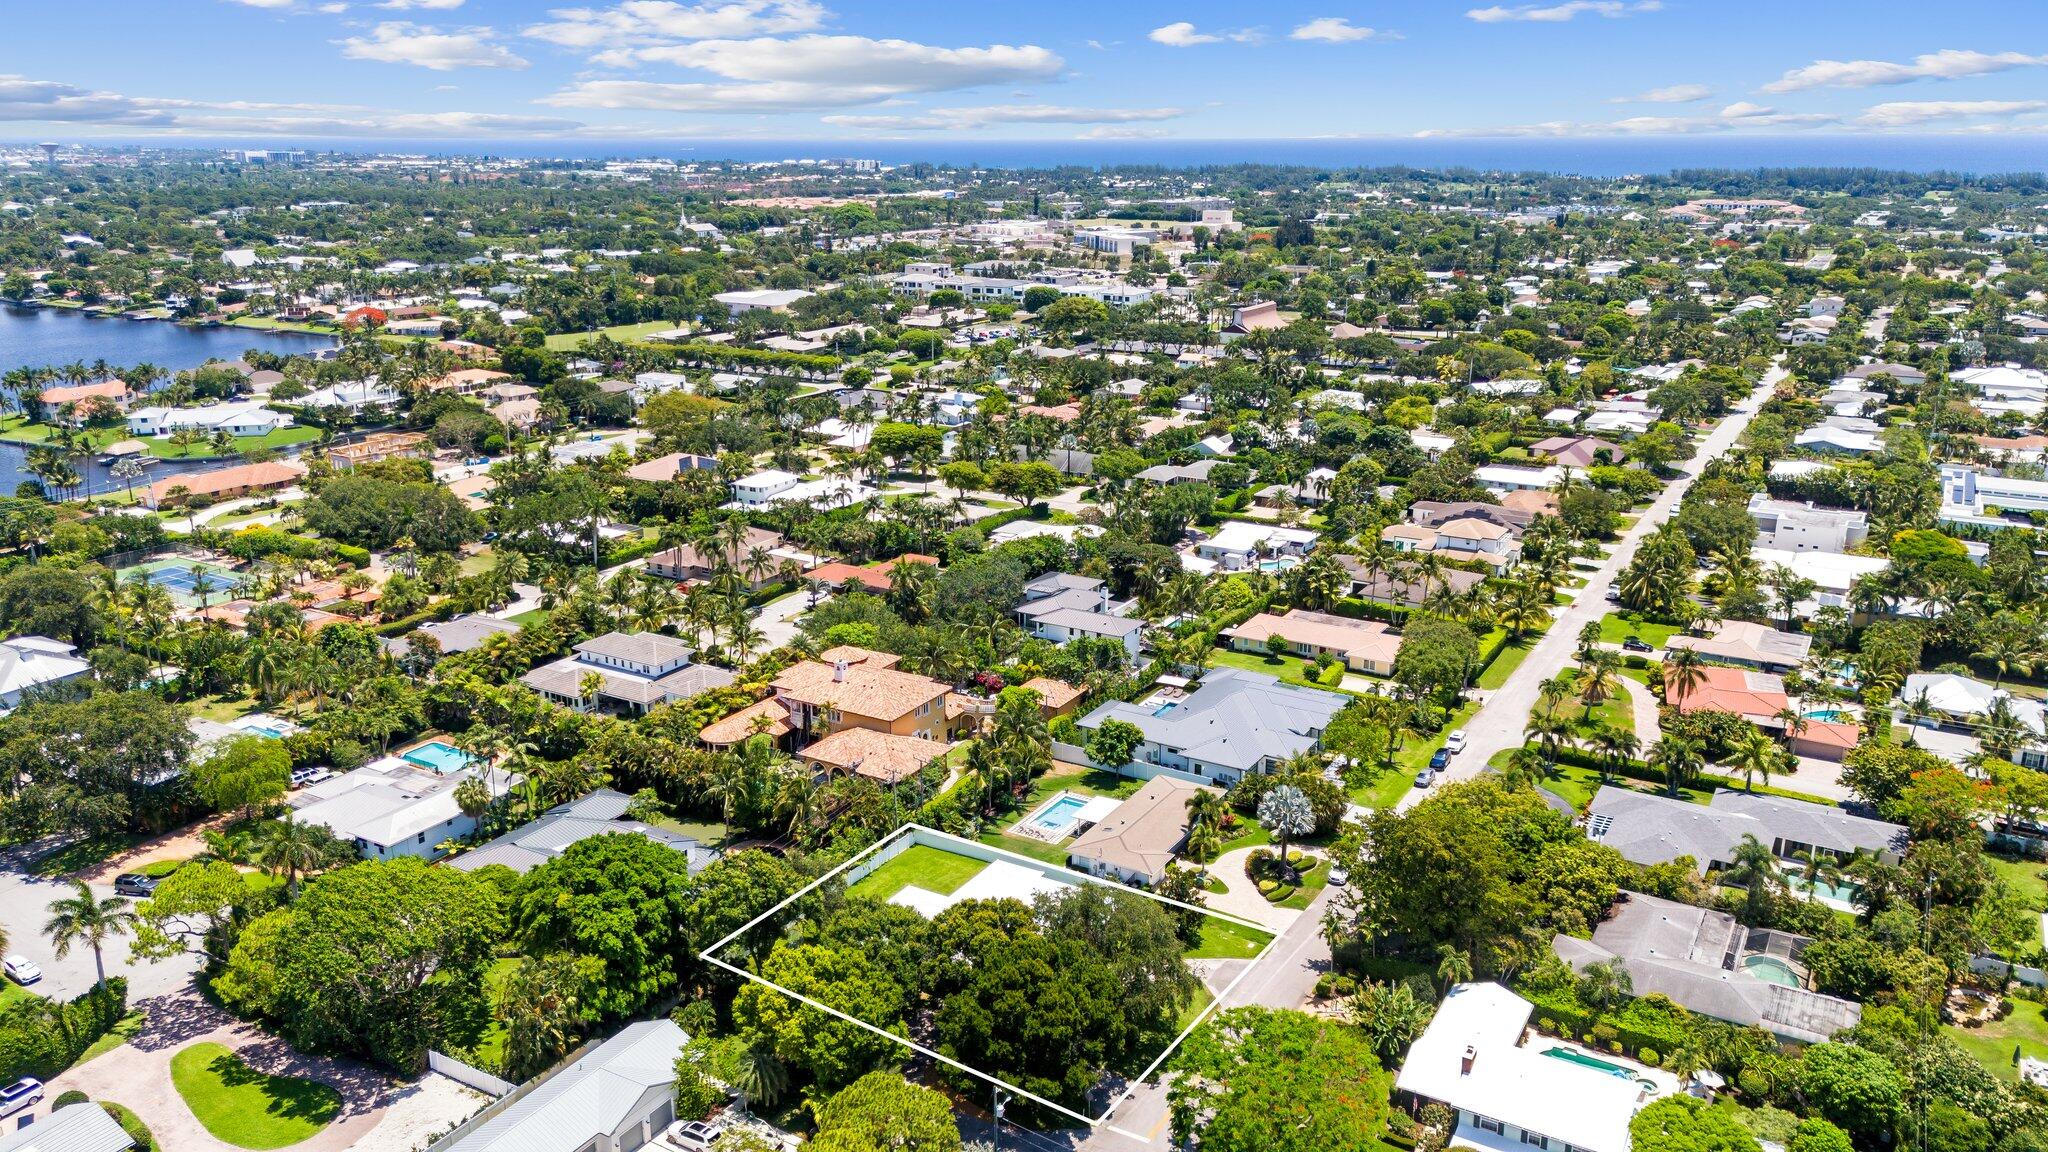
(932,869)
(623,333)
(1993,1044)
(1616,627)
(247,1108)
(1228,940)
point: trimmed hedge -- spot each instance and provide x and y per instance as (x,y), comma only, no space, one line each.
(1643,1028)
(41,1038)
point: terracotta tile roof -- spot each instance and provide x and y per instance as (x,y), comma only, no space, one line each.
(869,689)
(876,578)
(1053,694)
(1367,639)
(1755,695)
(876,755)
(268,474)
(463,378)
(740,725)
(75,393)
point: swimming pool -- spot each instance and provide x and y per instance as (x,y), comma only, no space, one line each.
(1772,970)
(1583,1060)
(1832,715)
(1055,818)
(265,730)
(438,756)
(1280,565)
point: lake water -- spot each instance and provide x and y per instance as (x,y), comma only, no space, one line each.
(36,337)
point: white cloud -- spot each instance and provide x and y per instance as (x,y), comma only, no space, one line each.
(1338,30)
(1121,132)
(399,42)
(457,125)
(437,5)
(1905,113)
(639,22)
(809,72)
(1737,117)
(1947,64)
(968,119)
(1673,94)
(1181,34)
(1560,13)
(23,99)
(265,3)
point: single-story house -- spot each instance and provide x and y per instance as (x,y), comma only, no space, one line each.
(617,1096)
(391,807)
(36,663)
(1652,829)
(1135,843)
(1234,723)
(461,634)
(1363,645)
(600,813)
(1239,544)
(223,483)
(1746,644)
(80,1127)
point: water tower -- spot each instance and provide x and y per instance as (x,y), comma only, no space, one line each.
(50,152)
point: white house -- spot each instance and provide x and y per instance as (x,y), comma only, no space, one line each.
(1505,478)
(1059,607)
(392,808)
(1830,440)
(1239,544)
(240,418)
(31,662)
(349,395)
(772,486)
(1803,527)
(615,1097)
(1508,1095)
(761,300)
(635,671)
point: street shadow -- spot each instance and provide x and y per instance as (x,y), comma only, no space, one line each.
(177,1018)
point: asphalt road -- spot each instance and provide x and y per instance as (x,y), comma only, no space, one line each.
(1500,722)
(25,907)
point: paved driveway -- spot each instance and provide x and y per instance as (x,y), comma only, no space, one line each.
(138,1075)
(24,908)
(1243,900)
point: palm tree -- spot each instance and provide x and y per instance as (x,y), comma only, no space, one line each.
(2010,651)
(1453,966)
(759,1076)
(85,917)
(1756,755)
(1679,759)
(1616,746)
(1683,674)
(1754,869)
(292,848)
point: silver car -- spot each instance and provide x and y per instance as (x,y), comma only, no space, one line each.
(26,1092)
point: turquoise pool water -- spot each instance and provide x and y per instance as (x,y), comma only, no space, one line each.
(1055,818)
(1832,716)
(1772,970)
(1585,1061)
(438,756)
(265,730)
(1280,565)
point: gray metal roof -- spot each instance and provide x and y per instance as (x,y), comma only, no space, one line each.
(1234,719)
(1651,829)
(77,1128)
(598,814)
(648,649)
(596,1094)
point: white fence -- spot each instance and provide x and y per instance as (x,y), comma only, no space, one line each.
(468,1074)
(1993,966)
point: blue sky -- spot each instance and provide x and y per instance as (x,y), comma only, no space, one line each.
(1048,69)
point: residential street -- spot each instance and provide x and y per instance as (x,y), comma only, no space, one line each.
(1499,723)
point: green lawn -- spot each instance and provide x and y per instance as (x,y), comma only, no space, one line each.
(2023,877)
(932,869)
(1312,881)
(1993,1043)
(122,1031)
(529,618)
(247,1108)
(1414,756)
(1196,1006)
(1291,669)
(1228,940)
(19,428)
(623,333)
(1386,789)
(1081,781)
(489,1050)
(1613,712)
(1614,628)
(1504,665)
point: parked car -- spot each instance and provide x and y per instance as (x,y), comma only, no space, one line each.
(21,969)
(136,884)
(1440,760)
(1339,877)
(1455,742)
(26,1092)
(692,1135)
(302,777)
(1613,595)
(1425,778)
(1636,644)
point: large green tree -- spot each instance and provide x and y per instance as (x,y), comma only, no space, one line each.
(1259,1080)
(882,1111)
(622,899)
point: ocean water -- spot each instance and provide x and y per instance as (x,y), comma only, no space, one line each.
(39,337)
(1584,156)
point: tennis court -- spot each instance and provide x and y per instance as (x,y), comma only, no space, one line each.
(181,578)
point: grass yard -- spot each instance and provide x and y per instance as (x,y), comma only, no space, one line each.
(1414,756)
(1614,628)
(623,333)
(123,1031)
(247,1108)
(489,1051)
(1993,1043)
(2023,877)
(1386,789)
(1228,940)
(1037,850)
(1504,665)
(1613,712)
(1071,778)
(931,869)
(1196,1006)
(1312,881)
(1291,669)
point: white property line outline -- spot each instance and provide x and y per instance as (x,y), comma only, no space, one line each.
(1215,1002)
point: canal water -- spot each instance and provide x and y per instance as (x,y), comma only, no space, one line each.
(38,337)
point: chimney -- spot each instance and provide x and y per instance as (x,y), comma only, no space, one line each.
(1465,1063)
(839,671)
